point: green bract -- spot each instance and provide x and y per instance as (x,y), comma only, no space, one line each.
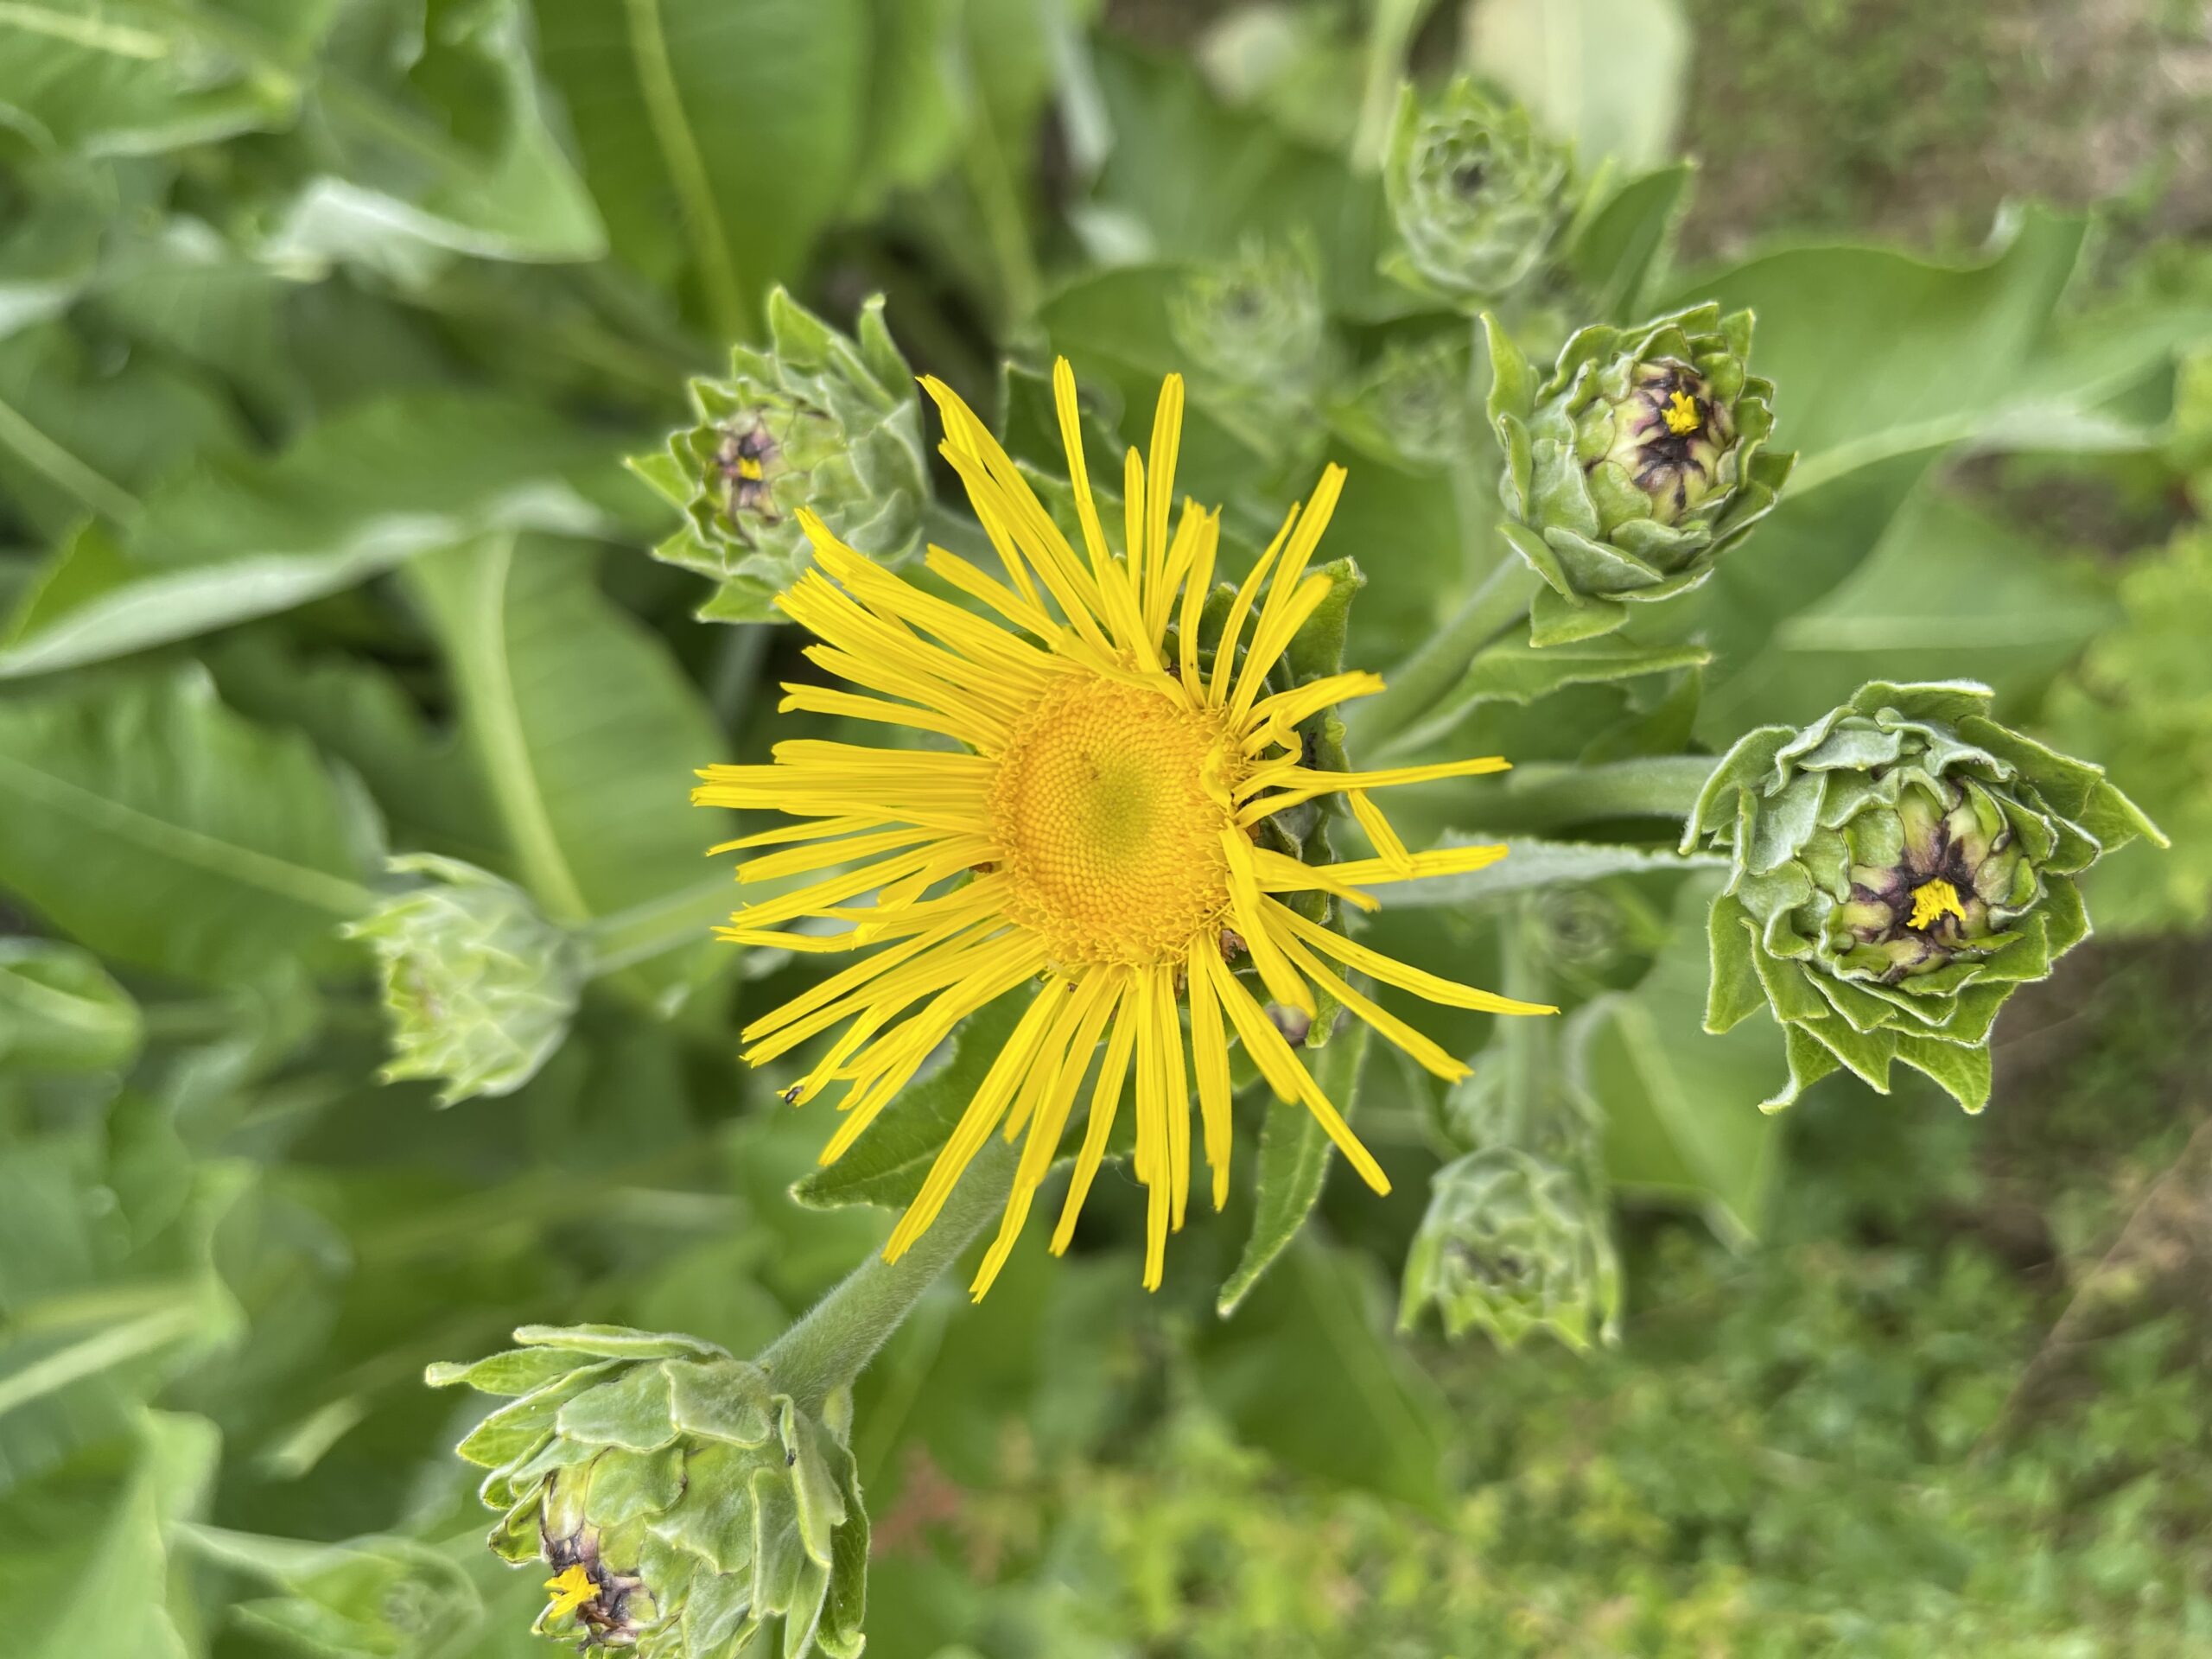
(1513,1243)
(480,985)
(1633,465)
(817,421)
(682,1506)
(1901,865)
(1479,196)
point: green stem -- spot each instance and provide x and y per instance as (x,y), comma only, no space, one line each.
(736,666)
(1496,605)
(655,928)
(729,305)
(79,480)
(831,1346)
(1005,232)
(1389,37)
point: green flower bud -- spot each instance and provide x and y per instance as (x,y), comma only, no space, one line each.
(817,421)
(1514,1242)
(479,985)
(1255,325)
(682,1507)
(1479,196)
(1412,408)
(1900,866)
(1633,465)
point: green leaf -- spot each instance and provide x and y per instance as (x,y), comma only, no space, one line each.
(374,1595)
(1683,1106)
(1514,670)
(1962,1069)
(360,713)
(1317,650)
(1876,353)
(1353,1408)
(1531,862)
(1616,255)
(117,1600)
(1735,992)
(360,493)
(135,79)
(1295,1153)
(916,107)
(61,1012)
(81,431)
(1946,591)
(433,142)
(718,136)
(160,829)
(585,733)
(1610,74)
(887,1165)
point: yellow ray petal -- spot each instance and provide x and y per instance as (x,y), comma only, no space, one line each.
(1244,896)
(1287,1076)
(1391,971)
(1105,1099)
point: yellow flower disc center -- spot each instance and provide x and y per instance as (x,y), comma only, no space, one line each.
(1107,809)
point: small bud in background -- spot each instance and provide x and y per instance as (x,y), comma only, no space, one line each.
(1412,408)
(1901,866)
(1254,325)
(679,1507)
(479,987)
(1575,930)
(816,420)
(1514,1242)
(1479,196)
(1633,464)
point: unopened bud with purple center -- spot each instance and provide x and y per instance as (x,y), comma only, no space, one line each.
(1633,464)
(680,1505)
(1900,866)
(817,419)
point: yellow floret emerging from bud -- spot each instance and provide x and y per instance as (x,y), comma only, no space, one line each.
(1933,900)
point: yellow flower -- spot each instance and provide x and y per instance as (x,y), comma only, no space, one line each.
(570,1589)
(1092,830)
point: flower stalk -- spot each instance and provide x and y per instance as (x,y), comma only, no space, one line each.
(832,1344)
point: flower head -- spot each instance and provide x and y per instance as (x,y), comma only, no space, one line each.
(1901,866)
(816,420)
(480,985)
(1633,464)
(1083,820)
(682,1503)
(1514,1242)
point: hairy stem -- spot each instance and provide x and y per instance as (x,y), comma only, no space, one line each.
(1496,605)
(833,1343)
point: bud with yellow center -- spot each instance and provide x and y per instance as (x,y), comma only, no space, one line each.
(817,419)
(1901,866)
(688,1506)
(1632,465)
